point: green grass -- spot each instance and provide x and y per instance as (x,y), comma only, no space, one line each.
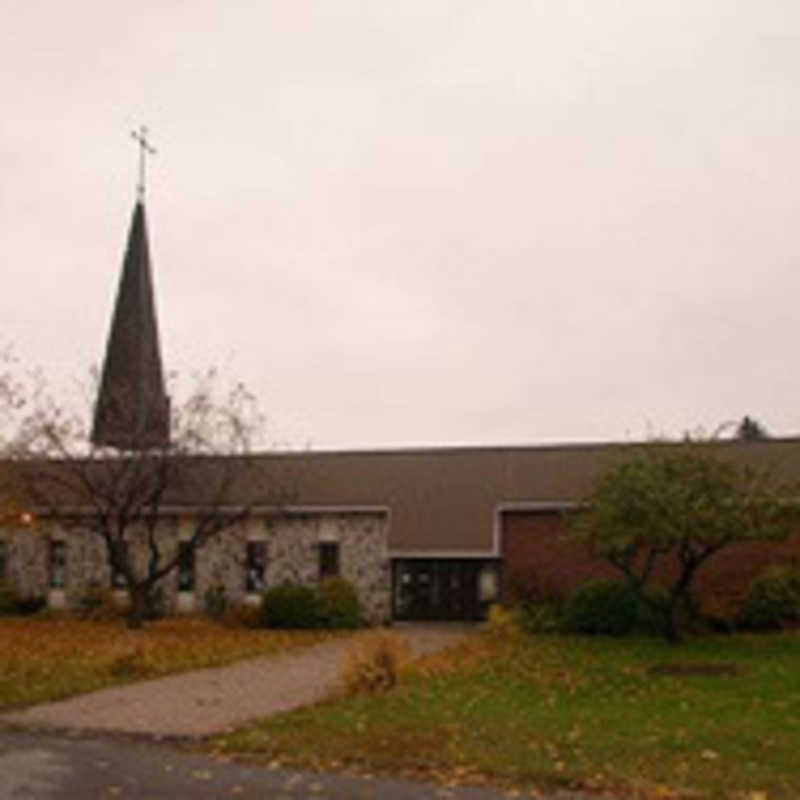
(543,711)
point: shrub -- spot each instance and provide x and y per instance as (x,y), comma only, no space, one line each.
(542,617)
(686,613)
(373,663)
(215,602)
(8,600)
(243,615)
(773,600)
(602,607)
(537,601)
(339,607)
(290,606)
(97,603)
(14,604)
(502,622)
(32,604)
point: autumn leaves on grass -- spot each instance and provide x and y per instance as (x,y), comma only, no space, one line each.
(635,717)
(47,659)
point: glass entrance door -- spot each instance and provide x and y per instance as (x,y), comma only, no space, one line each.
(437,589)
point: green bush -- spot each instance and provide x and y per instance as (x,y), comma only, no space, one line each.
(602,607)
(773,601)
(8,600)
(14,604)
(536,601)
(290,606)
(31,605)
(541,617)
(339,607)
(687,613)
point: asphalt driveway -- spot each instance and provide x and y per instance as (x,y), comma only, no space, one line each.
(49,767)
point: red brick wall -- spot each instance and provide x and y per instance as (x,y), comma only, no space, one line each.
(536,549)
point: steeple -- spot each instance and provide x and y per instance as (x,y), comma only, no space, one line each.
(132,409)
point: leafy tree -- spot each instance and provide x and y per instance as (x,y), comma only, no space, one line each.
(129,498)
(751,429)
(676,506)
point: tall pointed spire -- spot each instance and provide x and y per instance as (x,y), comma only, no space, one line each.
(132,410)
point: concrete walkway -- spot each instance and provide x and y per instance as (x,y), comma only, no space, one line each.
(208,701)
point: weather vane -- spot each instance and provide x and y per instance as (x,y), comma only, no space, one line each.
(145,148)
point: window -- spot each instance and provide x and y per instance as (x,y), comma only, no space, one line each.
(488,584)
(58,564)
(255,566)
(185,567)
(328,560)
(120,556)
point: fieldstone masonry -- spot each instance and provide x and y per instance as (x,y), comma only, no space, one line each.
(293,554)
(292,542)
(26,562)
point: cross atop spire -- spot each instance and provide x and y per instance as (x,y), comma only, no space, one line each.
(145,149)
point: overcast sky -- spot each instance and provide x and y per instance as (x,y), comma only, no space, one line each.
(420,221)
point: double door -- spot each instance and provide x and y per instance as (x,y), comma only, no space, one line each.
(436,589)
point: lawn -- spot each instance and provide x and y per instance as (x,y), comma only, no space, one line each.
(528,712)
(47,659)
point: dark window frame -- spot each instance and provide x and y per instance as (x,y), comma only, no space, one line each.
(255,568)
(329,560)
(117,576)
(187,577)
(57,564)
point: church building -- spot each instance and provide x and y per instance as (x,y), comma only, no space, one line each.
(423,534)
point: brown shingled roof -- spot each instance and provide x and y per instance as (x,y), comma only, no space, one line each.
(441,499)
(445,499)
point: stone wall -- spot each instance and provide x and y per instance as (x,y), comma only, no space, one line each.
(292,548)
(292,541)
(26,562)
(293,554)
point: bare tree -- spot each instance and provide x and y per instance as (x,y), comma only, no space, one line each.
(128,497)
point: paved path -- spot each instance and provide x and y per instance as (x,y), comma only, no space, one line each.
(204,702)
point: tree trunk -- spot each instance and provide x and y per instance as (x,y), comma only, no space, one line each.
(671,632)
(138,610)
(677,601)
